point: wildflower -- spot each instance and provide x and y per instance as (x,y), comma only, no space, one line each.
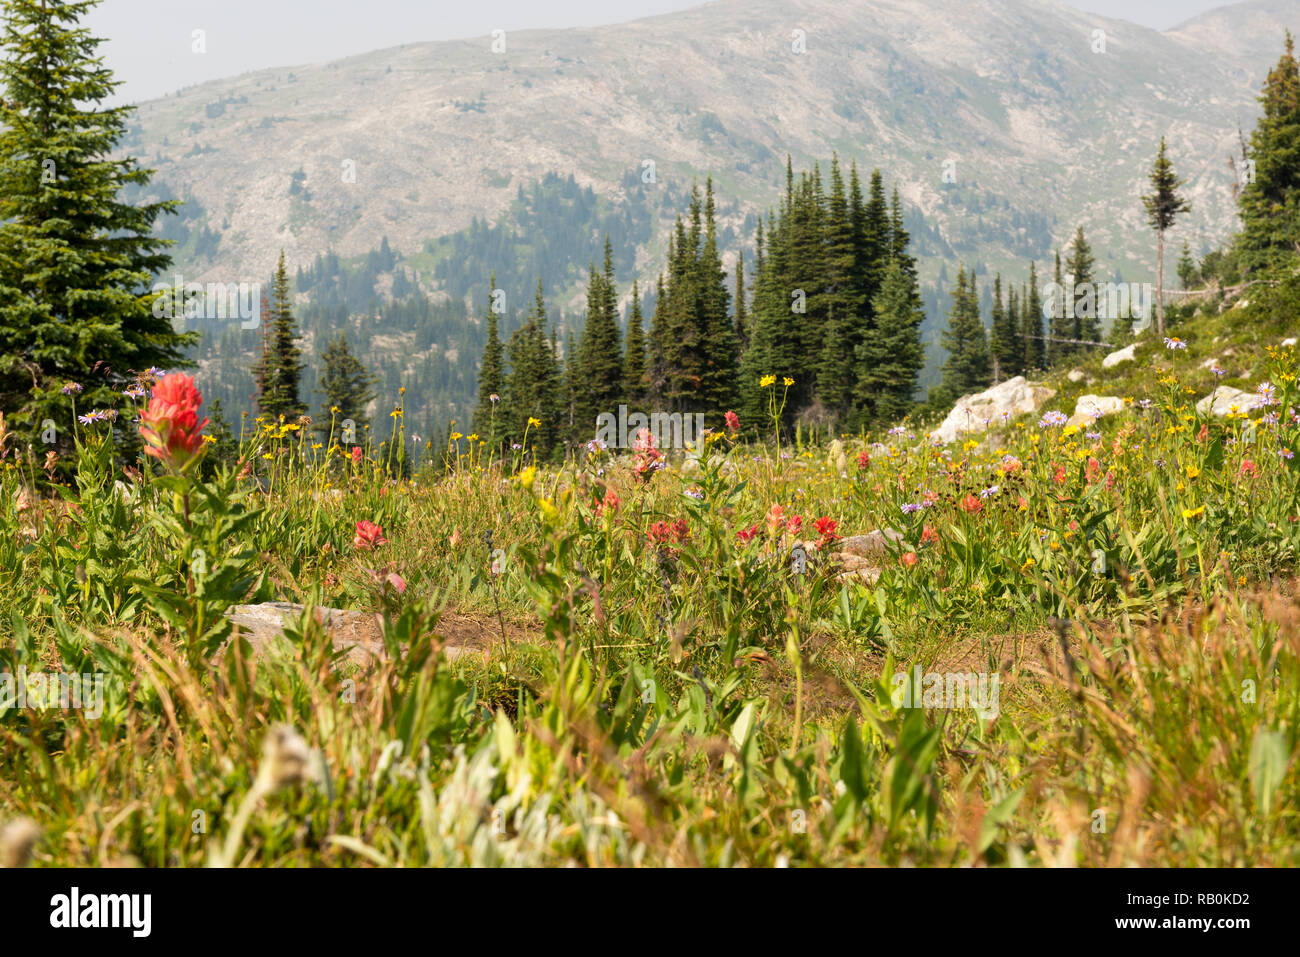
(99,415)
(1266,395)
(1286,453)
(971,504)
(1092,436)
(72,388)
(1093,470)
(746,534)
(455,436)
(610,502)
(787,382)
(534,423)
(1052,418)
(929,535)
(494,398)
(794,524)
(170,426)
(136,391)
(1248,468)
(733,421)
(695,494)
(774,519)
(864,460)
(1174,343)
(397,581)
(368,536)
(528,476)
(1029,563)
(910,507)
(909,559)
(1217,370)
(826,529)
(1022,504)
(766,381)
(1193,471)
(1058,475)
(454,540)
(989,492)
(1193,512)
(356,455)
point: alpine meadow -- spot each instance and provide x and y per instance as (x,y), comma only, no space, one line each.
(803,434)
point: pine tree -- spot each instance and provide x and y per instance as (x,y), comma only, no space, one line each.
(1270,201)
(1163,205)
(892,359)
(74,254)
(742,316)
(1005,346)
(1031,324)
(634,358)
(533,384)
(846,322)
(717,336)
(1079,269)
(967,367)
(1186,267)
(278,371)
(491,377)
(600,351)
(348,388)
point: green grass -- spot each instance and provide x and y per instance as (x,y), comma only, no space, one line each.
(683,698)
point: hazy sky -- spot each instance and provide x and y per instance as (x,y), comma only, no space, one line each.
(149,43)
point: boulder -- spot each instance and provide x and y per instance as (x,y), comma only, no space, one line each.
(1288,342)
(973,414)
(1226,399)
(1075,375)
(358,634)
(1087,408)
(1123,355)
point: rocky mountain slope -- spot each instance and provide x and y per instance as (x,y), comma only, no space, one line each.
(1043,124)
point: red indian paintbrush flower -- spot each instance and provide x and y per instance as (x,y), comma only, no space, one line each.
(733,422)
(170,426)
(368,536)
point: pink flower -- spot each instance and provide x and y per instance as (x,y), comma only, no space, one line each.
(733,421)
(746,534)
(1249,469)
(356,455)
(397,581)
(369,535)
(928,535)
(971,504)
(909,559)
(826,529)
(170,426)
(864,459)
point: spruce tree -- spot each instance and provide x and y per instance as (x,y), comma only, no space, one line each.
(1186,267)
(967,367)
(533,385)
(1080,265)
(1005,347)
(717,337)
(74,254)
(1031,324)
(347,387)
(891,360)
(634,358)
(600,351)
(278,371)
(1163,205)
(1270,201)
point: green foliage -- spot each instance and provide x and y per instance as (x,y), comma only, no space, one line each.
(75,257)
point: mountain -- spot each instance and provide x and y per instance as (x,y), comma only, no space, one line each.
(1043,123)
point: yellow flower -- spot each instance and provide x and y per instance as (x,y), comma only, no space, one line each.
(534,423)
(527,476)
(1069,430)
(788,381)
(766,381)
(1193,512)
(1192,471)
(473,436)
(1029,563)
(549,510)
(456,436)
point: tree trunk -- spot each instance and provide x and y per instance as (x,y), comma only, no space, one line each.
(1160,282)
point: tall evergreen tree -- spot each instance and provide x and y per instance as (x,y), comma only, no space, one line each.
(1186,267)
(894,356)
(1005,346)
(1163,205)
(600,351)
(348,387)
(278,371)
(533,384)
(1079,267)
(1031,324)
(1270,201)
(634,358)
(74,254)
(967,367)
